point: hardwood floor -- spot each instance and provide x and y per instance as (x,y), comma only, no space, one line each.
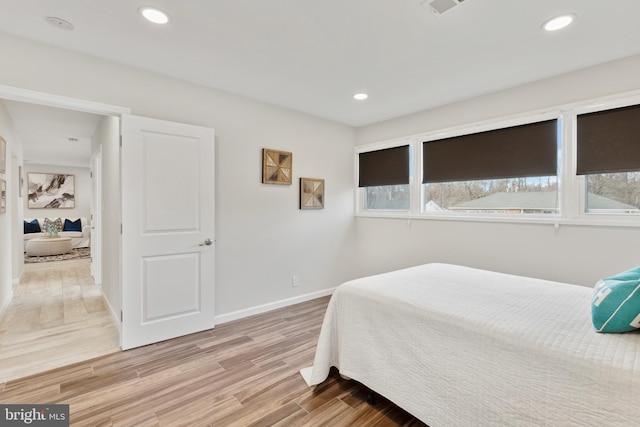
(242,373)
(57,317)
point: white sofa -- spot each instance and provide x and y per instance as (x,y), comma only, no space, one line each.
(79,239)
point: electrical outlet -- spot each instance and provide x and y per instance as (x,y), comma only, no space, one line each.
(294,281)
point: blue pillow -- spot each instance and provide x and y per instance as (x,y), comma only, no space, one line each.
(32,227)
(72,225)
(616,303)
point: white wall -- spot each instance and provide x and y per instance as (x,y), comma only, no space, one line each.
(107,136)
(17,230)
(82,196)
(7,219)
(262,237)
(576,254)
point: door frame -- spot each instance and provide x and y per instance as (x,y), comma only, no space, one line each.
(50,100)
(58,101)
(96,216)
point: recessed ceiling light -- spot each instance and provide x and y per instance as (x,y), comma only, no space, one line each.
(558,22)
(60,23)
(360,96)
(154,15)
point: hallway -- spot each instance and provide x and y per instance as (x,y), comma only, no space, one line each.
(57,317)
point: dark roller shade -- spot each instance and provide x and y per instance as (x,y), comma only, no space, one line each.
(384,167)
(609,141)
(519,151)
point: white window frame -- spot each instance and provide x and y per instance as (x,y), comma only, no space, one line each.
(359,191)
(483,127)
(572,188)
(581,215)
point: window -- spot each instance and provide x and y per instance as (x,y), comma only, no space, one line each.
(613,193)
(510,170)
(387,197)
(579,164)
(608,155)
(532,195)
(384,177)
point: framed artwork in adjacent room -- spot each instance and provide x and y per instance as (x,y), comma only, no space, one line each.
(51,191)
(311,193)
(3,155)
(3,196)
(276,166)
(20,181)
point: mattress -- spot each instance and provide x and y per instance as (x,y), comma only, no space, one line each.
(457,346)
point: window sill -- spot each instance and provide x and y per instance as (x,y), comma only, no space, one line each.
(587,220)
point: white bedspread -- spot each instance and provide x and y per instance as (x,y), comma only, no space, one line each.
(457,346)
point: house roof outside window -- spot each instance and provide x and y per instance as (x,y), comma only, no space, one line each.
(534,202)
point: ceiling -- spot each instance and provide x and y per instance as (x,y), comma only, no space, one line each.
(312,56)
(53,135)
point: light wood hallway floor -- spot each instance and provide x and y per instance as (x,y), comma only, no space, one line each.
(57,317)
(241,373)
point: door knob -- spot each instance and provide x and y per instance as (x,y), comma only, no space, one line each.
(207,242)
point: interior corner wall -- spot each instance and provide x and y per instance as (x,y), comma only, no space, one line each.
(571,253)
(107,136)
(17,229)
(7,220)
(263,238)
(82,181)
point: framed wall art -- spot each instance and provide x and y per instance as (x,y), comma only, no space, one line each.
(3,196)
(20,181)
(3,155)
(311,193)
(277,166)
(51,191)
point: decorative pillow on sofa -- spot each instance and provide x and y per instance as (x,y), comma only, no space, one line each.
(616,303)
(31,227)
(57,223)
(72,225)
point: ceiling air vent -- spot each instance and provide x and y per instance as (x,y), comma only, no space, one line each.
(439,7)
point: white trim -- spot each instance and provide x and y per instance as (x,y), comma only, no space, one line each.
(50,100)
(552,220)
(492,124)
(7,302)
(607,103)
(382,145)
(115,316)
(259,309)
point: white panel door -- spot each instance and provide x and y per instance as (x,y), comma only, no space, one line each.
(167,230)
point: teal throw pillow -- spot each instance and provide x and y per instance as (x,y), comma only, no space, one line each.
(615,307)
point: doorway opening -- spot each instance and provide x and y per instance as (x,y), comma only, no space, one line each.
(62,312)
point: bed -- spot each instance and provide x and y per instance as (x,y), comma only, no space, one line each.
(458,346)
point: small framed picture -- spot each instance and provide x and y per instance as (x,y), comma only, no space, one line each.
(20,181)
(276,167)
(3,196)
(3,155)
(311,193)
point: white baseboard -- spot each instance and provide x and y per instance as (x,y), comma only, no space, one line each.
(259,309)
(115,316)
(5,305)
